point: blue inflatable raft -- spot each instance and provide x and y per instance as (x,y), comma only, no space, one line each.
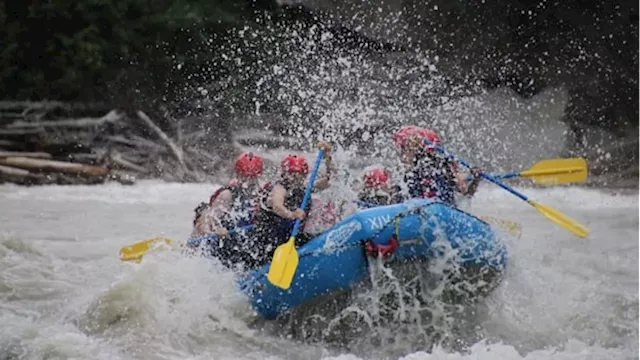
(337,260)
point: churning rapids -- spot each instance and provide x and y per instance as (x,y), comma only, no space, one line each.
(64,293)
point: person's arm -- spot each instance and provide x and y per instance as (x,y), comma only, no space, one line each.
(461,182)
(200,224)
(220,206)
(223,202)
(276,202)
(324,180)
(468,188)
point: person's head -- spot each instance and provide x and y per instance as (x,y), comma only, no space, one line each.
(294,169)
(409,140)
(248,167)
(376,179)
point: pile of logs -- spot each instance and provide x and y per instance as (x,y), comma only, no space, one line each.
(59,143)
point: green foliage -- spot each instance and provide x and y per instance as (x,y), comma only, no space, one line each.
(93,49)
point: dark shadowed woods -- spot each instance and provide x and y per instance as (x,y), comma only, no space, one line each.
(132,89)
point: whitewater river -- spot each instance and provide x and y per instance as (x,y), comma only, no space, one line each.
(64,294)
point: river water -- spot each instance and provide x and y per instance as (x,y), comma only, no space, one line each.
(64,294)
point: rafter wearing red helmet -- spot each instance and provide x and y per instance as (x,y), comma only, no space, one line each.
(233,205)
(279,207)
(377,188)
(430,174)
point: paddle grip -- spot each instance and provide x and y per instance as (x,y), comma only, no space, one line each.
(307,192)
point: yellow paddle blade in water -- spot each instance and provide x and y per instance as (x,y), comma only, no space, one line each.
(511,227)
(561,219)
(557,171)
(284,264)
(136,251)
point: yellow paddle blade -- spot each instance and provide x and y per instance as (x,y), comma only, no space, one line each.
(561,219)
(511,227)
(136,251)
(557,171)
(284,264)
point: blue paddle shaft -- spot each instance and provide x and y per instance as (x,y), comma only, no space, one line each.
(507,175)
(501,176)
(307,192)
(484,175)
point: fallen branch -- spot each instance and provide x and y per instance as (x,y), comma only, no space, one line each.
(110,117)
(11,171)
(20,131)
(135,141)
(39,105)
(44,143)
(12,115)
(49,105)
(177,152)
(118,159)
(54,166)
(84,157)
(35,155)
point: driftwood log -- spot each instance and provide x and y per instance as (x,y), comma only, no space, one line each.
(41,165)
(63,143)
(26,154)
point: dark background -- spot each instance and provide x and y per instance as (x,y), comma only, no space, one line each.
(156,53)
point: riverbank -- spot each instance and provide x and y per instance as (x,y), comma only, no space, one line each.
(45,143)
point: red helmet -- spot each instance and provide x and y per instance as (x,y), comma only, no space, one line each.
(402,135)
(375,178)
(294,164)
(429,135)
(248,164)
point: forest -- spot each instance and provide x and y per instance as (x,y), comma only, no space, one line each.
(192,65)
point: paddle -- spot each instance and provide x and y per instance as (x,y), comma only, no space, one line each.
(553,172)
(136,251)
(552,214)
(285,258)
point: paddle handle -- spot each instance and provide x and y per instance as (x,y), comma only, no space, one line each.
(307,192)
(484,175)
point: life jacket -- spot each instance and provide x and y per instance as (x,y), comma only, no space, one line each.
(432,177)
(244,206)
(322,215)
(267,219)
(199,210)
(373,196)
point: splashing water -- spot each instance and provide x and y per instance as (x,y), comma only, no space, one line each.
(65,294)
